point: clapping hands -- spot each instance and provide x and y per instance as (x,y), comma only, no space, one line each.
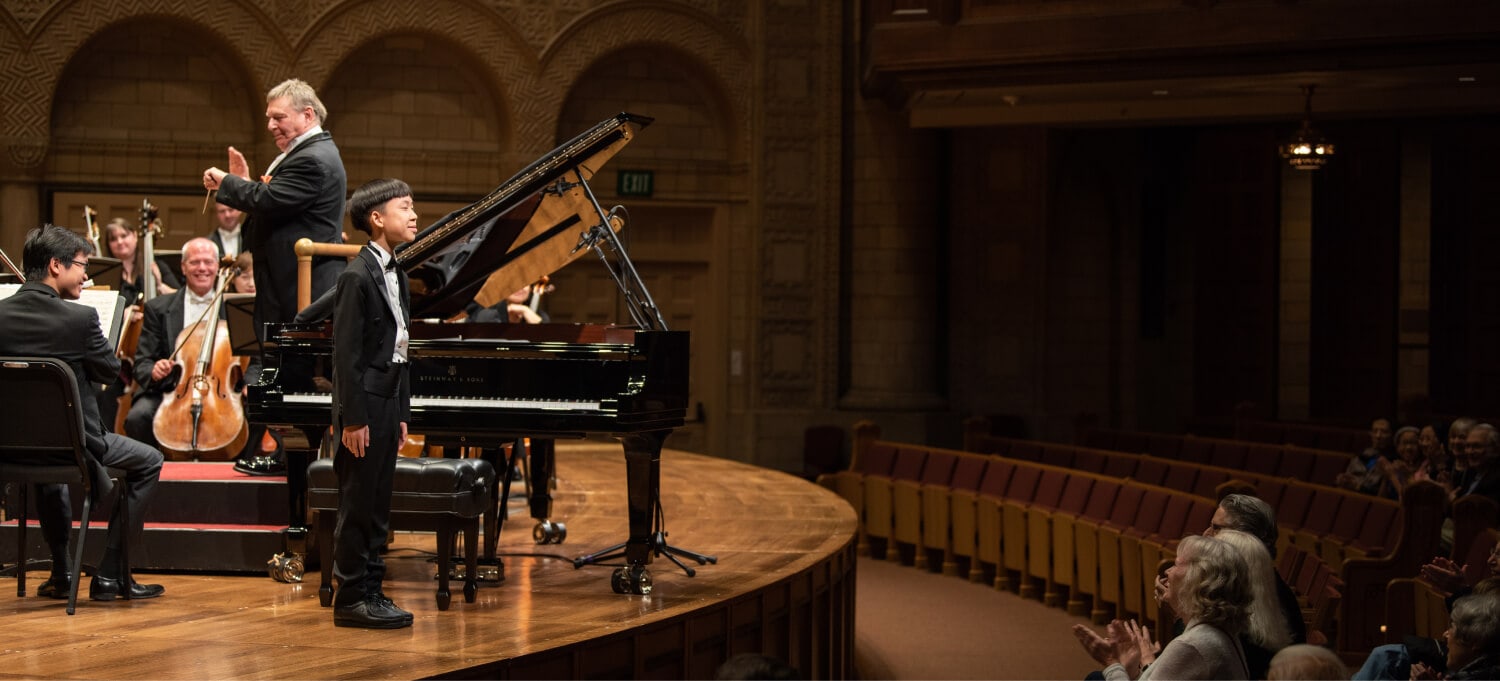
(1128,644)
(1445,574)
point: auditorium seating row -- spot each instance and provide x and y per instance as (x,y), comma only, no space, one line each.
(1093,525)
(1317,587)
(1334,523)
(1313,436)
(1320,466)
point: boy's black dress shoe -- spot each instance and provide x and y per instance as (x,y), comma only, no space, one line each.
(106,589)
(368,614)
(56,586)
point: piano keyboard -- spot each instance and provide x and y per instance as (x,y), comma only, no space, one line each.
(461,402)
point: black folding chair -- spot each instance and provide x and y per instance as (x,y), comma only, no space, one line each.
(42,442)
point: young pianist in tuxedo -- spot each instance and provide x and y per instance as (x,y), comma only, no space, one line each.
(372,400)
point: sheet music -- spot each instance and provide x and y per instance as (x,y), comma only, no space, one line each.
(104,302)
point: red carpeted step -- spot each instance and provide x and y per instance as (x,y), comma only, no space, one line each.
(209,470)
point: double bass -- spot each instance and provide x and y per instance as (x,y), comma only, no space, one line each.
(130,332)
(93,228)
(203,417)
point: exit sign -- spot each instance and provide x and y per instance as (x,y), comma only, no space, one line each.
(634,183)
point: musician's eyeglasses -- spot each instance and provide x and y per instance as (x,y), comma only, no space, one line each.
(81,263)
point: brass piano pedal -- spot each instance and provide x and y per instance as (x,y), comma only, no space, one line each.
(285,567)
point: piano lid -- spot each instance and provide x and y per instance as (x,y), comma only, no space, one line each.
(525,228)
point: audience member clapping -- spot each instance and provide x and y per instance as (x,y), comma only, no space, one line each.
(1208,585)
(1437,461)
(1473,639)
(1482,453)
(1366,471)
(1399,471)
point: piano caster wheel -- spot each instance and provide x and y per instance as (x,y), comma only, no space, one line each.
(548,532)
(634,579)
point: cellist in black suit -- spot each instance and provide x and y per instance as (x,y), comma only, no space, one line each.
(38,322)
(300,195)
(165,318)
(371,400)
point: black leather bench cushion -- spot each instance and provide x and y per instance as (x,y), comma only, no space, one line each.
(461,487)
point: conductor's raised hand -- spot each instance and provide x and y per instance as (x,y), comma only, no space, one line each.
(237,164)
(356,439)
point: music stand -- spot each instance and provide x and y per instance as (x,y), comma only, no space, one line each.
(118,321)
(169,260)
(106,271)
(239,312)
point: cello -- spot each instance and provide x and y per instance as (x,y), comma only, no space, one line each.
(203,417)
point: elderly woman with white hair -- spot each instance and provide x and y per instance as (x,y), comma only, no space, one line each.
(1266,630)
(1473,637)
(1209,586)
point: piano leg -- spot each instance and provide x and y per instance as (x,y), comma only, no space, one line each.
(648,535)
(541,467)
(288,566)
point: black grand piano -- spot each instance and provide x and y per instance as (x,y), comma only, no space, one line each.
(486,384)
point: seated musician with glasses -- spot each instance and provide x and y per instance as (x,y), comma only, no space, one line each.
(38,322)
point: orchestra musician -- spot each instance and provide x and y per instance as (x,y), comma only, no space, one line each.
(519,307)
(121,240)
(301,195)
(166,317)
(227,233)
(244,282)
(38,322)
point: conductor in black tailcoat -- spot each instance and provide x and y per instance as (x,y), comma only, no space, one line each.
(372,400)
(300,195)
(37,322)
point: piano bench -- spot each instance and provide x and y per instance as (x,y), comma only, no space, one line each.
(429,494)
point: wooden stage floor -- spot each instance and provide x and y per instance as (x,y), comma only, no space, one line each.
(784,585)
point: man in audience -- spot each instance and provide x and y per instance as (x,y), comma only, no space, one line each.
(1482,453)
(1253,516)
(1366,471)
(1458,444)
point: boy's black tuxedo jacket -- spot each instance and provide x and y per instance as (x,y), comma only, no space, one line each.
(364,339)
